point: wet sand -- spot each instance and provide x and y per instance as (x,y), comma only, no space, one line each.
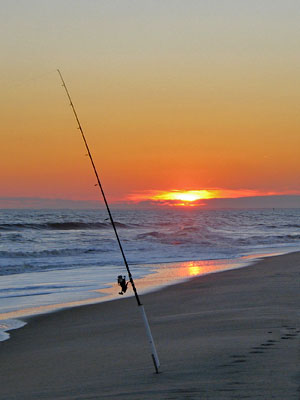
(229,335)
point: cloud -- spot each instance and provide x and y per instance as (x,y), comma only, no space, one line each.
(215,198)
(272,201)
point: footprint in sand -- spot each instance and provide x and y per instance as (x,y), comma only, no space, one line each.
(256,352)
(293,335)
(259,349)
(267,344)
(288,336)
(238,358)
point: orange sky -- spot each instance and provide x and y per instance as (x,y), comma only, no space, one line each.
(171,96)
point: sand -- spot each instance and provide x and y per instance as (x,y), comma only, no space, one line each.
(229,335)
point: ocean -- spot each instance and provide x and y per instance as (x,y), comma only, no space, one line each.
(51,259)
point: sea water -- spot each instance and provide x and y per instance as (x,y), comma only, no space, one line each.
(56,258)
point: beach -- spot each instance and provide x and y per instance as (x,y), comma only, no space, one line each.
(228,335)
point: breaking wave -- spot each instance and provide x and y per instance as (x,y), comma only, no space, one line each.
(51,253)
(63,226)
(42,240)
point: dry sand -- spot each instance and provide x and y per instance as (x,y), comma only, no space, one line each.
(229,335)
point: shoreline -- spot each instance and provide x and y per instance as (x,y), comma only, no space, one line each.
(162,275)
(223,335)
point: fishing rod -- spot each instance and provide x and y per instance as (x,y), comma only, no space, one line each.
(140,305)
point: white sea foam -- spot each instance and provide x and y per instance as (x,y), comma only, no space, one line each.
(8,325)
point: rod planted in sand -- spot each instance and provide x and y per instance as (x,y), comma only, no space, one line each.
(144,316)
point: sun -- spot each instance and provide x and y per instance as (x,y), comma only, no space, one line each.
(192,198)
(186,197)
(190,195)
(175,197)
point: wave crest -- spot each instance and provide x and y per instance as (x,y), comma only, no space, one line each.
(64,226)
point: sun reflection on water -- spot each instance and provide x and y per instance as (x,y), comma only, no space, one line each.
(194,270)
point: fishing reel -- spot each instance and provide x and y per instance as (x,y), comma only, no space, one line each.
(122,283)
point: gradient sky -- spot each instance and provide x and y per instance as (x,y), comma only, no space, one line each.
(172,94)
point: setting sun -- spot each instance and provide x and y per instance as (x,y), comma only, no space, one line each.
(187,195)
(175,197)
(192,198)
